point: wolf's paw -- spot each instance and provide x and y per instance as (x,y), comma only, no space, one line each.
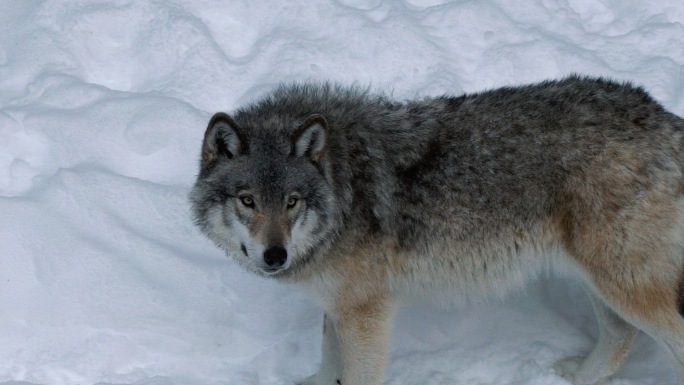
(568,368)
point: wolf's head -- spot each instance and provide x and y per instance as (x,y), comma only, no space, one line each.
(263,193)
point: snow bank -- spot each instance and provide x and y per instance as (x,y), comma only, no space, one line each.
(102,108)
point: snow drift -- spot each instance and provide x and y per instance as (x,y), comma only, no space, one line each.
(102,108)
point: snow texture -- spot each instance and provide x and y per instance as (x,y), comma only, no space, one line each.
(103,104)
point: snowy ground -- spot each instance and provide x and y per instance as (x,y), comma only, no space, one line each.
(102,107)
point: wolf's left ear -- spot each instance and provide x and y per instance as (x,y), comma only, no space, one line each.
(309,138)
(223,138)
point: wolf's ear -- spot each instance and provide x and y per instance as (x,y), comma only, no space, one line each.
(222,138)
(309,138)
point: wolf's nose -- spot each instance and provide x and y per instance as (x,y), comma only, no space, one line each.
(275,256)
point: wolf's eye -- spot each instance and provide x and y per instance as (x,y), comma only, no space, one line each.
(247,201)
(292,202)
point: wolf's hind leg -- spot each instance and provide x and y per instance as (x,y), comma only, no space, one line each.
(330,372)
(615,338)
(673,340)
(647,296)
(668,330)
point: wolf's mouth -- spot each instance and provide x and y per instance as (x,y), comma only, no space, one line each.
(271,271)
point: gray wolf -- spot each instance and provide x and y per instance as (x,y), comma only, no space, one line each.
(364,201)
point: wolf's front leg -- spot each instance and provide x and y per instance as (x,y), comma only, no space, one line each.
(363,335)
(330,372)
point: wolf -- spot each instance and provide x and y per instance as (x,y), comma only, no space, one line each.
(364,201)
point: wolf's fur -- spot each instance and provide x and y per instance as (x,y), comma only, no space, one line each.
(364,200)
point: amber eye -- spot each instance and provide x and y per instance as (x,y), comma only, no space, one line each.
(292,202)
(247,200)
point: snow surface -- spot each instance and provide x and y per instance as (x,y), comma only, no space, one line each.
(103,105)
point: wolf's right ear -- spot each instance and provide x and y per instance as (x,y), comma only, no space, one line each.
(222,138)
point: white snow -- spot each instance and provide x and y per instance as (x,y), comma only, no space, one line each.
(103,104)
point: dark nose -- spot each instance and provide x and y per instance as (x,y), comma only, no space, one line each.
(275,256)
